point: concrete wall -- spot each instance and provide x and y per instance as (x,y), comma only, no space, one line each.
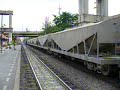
(85,17)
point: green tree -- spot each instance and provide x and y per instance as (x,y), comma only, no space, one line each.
(50,29)
(61,22)
(47,28)
(66,20)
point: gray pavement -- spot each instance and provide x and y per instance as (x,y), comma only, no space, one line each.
(9,69)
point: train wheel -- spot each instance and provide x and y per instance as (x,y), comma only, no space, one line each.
(59,55)
(85,63)
(98,68)
(105,69)
(95,67)
(90,66)
(72,58)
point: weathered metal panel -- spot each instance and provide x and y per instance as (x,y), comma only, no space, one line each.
(68,39)
(34,40)
(109,31)
(42,39)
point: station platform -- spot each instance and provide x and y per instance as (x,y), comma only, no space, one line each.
(10,68)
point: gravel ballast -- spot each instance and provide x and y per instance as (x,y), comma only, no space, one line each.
(79,75)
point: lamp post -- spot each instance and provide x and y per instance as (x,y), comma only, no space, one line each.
(1,31)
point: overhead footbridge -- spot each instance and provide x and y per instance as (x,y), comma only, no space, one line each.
(26,33)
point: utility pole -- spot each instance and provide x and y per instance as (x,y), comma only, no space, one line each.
(59,10)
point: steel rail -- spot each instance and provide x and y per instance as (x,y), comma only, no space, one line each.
(60,81)
(38,84)
(57,77)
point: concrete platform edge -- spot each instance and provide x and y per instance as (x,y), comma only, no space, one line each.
(17,77)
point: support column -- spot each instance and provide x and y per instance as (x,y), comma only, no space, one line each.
(10,21)
(10,38)
(10,27)
(102,7)
(83,8)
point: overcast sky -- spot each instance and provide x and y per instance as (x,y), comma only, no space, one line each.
(31,14)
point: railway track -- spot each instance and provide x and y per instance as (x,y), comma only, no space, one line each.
(46,78)
(54,70)
(76,73)
(28,79)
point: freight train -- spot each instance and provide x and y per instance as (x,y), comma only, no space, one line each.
(95,44)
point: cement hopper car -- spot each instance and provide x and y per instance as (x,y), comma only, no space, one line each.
(96,44)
